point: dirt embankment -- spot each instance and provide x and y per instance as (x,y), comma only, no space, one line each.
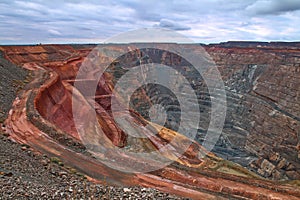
(12,79)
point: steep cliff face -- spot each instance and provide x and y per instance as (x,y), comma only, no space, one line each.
(262,119)
(261,130)
(264,83)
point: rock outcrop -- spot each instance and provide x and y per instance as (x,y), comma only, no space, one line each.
(264,82)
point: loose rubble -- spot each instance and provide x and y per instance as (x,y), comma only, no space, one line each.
(27,175)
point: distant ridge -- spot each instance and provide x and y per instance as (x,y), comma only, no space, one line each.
(256,44)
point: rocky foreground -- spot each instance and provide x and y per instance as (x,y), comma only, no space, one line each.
(25,174)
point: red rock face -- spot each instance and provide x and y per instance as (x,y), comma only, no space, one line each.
(264,83)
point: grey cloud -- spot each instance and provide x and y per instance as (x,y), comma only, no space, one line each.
(273,7)
(169,24)
(206,20)
(54,32)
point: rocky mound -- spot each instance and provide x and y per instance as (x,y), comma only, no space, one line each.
(13,79)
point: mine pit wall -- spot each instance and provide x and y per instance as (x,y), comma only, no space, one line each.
(54,103)
(263,108)
(49,108)
(274,105)
(225,187)
(262,128)
(262,125)
(35,53)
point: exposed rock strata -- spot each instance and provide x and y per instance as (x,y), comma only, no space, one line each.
(261,129)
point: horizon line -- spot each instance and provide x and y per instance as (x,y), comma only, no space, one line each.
(104,43)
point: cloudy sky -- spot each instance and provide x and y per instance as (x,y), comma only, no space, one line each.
(206,21)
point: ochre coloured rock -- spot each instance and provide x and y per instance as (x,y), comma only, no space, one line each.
(263,80)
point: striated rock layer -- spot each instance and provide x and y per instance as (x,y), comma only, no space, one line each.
(261,131)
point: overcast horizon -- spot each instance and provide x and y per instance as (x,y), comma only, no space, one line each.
(206,21)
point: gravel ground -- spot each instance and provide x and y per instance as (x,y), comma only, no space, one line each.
(12,79)
(26,175)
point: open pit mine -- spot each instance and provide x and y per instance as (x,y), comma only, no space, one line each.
(257,155)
